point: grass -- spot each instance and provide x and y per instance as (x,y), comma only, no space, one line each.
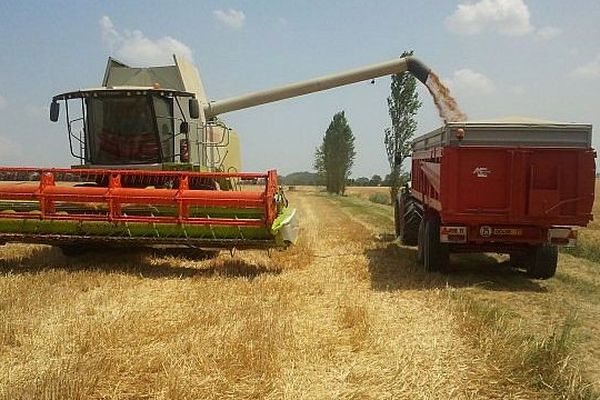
(380,198)
(585,287)
(374,215)
(543,361)
(364,192)
(588,245)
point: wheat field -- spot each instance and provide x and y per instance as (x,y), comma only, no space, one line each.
(344,314)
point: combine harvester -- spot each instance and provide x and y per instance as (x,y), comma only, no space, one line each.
(157,168)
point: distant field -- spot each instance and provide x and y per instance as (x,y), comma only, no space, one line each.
(365,192)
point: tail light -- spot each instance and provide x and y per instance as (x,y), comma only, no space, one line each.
(562,236)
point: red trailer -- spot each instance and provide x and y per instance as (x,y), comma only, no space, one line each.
(514,187)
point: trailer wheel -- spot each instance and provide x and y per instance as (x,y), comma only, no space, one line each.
(421,242)
(436,255)
(518,260)
(407,218)
(542,261)
(397,218)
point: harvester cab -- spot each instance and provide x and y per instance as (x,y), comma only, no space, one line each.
(129,125)
(147,118)
(157,167)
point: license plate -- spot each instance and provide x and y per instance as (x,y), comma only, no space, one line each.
(453,234)
(507,232)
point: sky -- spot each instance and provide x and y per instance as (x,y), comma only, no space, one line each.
(532,58)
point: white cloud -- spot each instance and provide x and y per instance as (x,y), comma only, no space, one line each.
(109,33)
(231,18)
(468,82)
(548,32)
(3,103)
(590,70)
(135,47)
(507,17)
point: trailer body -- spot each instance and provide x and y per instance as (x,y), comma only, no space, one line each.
(503,186)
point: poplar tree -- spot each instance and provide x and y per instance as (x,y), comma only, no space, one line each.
(334,158)
(403,104)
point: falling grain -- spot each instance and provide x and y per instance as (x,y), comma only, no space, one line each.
(445,103)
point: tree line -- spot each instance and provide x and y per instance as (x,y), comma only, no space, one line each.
(306,178)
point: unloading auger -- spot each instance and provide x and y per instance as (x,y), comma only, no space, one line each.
(157,167)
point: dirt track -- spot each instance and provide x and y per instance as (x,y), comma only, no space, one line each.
(346,314)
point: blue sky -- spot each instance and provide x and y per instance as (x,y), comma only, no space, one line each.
(500,57)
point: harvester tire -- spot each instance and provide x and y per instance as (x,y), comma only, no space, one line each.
(542,261)
(407,218)
(436,255)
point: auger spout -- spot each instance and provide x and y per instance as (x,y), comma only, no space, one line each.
(410,64)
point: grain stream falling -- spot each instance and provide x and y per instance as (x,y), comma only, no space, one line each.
(445,103)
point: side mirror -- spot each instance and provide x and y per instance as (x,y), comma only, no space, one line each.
(194,107)
(54,111)
(184,128)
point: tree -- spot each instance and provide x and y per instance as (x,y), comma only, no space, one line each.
(335,156)
(301,178)
(362,181)
(387,181)
(403,105)
(376,180)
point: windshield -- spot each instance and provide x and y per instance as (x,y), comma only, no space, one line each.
(123,130)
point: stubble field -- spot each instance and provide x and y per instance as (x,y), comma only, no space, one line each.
(346,313)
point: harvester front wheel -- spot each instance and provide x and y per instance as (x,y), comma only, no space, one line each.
(436,255)
(407,218)
(542,261)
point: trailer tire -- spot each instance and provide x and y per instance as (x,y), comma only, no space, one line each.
(407,218)
(436,255)
(518,260)
(420,242)
(542,261)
